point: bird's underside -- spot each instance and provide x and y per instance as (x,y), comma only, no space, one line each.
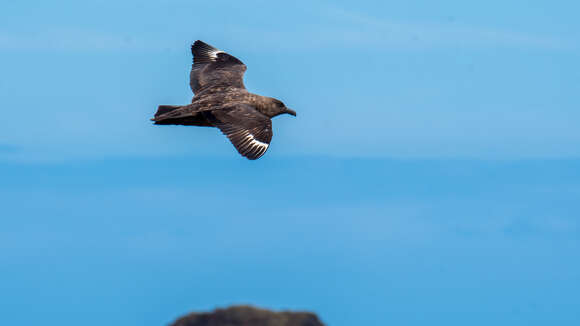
(221,100)
(214,98)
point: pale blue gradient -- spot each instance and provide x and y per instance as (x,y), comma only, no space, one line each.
(432,175)
(377,79)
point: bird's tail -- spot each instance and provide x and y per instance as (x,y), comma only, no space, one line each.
(163,109)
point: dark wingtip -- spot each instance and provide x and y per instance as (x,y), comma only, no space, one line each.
(203,52)
(197,44)
(201,46)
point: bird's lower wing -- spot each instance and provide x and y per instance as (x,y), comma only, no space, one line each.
(249,130)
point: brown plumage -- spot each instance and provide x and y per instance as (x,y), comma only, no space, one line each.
(221,100)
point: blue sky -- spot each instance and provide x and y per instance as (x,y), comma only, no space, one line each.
(431,176)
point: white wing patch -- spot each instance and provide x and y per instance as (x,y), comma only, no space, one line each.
(248,145)
(213,54)
(254,145)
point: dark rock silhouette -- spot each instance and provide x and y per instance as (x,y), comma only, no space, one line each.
(248,316)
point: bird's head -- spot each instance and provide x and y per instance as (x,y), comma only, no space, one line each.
(277,108)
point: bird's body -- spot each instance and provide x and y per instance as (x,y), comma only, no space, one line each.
(221,100)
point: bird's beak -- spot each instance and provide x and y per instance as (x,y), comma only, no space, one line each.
(292,112)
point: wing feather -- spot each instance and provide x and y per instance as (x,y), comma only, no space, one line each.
(214,68)
(247,129)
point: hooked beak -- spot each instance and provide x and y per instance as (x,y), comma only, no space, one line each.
(292,112)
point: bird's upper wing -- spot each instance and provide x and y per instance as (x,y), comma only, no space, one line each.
(213,67)
(249,130)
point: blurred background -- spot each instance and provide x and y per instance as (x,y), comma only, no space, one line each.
(432,175)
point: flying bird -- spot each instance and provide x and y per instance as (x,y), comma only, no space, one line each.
(221,100)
